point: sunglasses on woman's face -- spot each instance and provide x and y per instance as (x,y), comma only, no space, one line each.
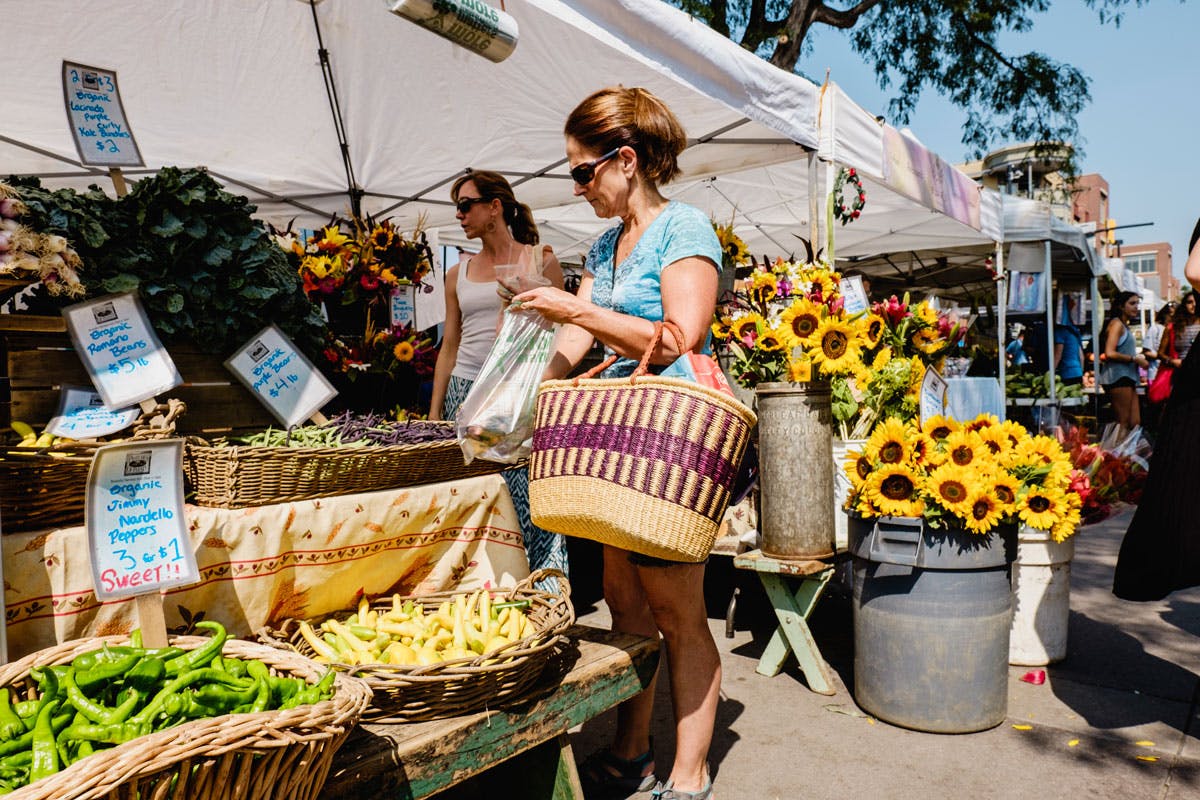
(464,203)
(585,173)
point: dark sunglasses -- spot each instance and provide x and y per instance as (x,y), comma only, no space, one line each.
(584,173)
(464,204)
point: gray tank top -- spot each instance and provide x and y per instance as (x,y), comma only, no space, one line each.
(1113,371)
(480,308)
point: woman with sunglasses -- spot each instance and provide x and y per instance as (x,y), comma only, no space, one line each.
(660,262)
(488,211)
(1161,550)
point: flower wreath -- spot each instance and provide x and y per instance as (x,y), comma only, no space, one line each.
(860,197)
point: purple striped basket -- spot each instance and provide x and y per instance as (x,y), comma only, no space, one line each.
(645,464)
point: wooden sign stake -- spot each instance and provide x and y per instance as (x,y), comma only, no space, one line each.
(319,418)
(151,619)
(119,185)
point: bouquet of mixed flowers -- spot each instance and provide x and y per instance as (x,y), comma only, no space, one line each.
(396,352)
(1104,477)
(975,475)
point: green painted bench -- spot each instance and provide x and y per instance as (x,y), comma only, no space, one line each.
(525,748)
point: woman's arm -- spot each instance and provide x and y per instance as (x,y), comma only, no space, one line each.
(448,353)
(1191,270)
(1058,351)
(1112,335)
(1166,344)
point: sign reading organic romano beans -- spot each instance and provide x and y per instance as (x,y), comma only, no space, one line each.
(122,354)
(280,376)
(137,534)
(97,117)
(83,415)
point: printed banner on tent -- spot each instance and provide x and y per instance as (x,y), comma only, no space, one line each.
(98,125)
(919,173)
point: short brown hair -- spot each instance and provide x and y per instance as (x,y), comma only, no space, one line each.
(494,186)
(622,117)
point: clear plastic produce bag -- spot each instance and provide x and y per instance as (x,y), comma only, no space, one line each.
(495,421)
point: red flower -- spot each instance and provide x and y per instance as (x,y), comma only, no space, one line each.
(855,214)
(369,282)
(892,310)
(851,172)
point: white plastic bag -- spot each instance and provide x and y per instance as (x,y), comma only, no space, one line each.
(495,421)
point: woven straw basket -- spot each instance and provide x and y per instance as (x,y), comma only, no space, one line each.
(43,487)
(463,686)
(643,463)
(237,477)
(281,755)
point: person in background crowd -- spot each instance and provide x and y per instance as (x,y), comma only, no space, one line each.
(1186,325)
(1161,550)
(1119,372)
(1014,351)
(661,262)
(488,211)
(1068,346)
(1153,338)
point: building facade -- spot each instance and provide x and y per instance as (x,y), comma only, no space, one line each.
(1152,263)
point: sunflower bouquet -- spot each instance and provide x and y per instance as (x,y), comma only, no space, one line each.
(785,322)
(973,476)
(363,262)
(397,352)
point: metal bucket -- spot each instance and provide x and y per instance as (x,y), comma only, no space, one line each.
(795,481)
(932,611)
(1041,592)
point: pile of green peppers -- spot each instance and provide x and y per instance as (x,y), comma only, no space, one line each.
(112,695)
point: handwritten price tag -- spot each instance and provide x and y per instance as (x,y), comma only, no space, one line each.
(97,116)
(83,415)
(280,376)
(854,294)
(403,308)
(137,535)
(122,354)
(933,395)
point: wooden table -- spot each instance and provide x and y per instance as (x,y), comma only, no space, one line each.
(405,762)
(792,608)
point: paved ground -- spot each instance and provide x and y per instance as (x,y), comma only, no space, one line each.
(1119,718)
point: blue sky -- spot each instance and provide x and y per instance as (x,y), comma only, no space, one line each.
(1141,130)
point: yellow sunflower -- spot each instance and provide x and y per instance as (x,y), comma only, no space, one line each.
(1004,488)
(1039,451)
(893,490)
(996,441)
(403,351)
(1014,431)
(927,340)
(1041,508)
(916,376)
(921,449)
(965,448)
(857,467)
(331,239)
(837,347)
(881,358)
(888,442)
(939,427)
(871,327)
(951,487)
(721,328)
(747,325)
(982,421)
(763,284)
(771,341)
(925,313)
(800,321)
(983,511)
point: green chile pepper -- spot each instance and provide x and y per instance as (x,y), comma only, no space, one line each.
(45,748)
(105,671)
(11,725)
(147,674)
(201,656)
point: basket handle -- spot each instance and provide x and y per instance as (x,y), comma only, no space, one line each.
(644,365)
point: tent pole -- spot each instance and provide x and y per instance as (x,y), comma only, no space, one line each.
(1002,328)
(1050,322)
(814,224)
(1097,316)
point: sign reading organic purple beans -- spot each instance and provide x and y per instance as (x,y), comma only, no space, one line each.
(137,534)
(97,117)
(280,376)
(123,356)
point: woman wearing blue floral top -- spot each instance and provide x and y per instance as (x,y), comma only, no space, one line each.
(659,263)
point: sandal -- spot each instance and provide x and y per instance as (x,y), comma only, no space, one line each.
(605,775)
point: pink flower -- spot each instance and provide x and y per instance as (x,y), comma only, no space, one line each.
(892,310)
(835,307)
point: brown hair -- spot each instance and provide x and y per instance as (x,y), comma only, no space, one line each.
(620,117)
(494,186)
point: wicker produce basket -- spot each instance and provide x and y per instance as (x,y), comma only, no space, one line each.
(283,755)
(236,477)
(43,487)
(463,686)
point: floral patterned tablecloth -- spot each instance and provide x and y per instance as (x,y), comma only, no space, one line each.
(260,565)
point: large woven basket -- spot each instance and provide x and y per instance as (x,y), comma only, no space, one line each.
(237,477)
(643,463)
(462,686)
(280,755)
(43,487)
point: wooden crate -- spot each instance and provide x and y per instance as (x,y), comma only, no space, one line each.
(35,365)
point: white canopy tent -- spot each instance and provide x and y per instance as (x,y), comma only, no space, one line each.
(237,86)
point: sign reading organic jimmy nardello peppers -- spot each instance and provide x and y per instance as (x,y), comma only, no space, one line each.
(137,534)
(123,356)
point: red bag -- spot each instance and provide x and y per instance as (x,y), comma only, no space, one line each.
(1160,388)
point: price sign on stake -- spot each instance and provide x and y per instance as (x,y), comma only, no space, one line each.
(933,395)
(122,354)
(137,534)
(854,294)
(97,117)
(403,308)
(280,376)
(83,415)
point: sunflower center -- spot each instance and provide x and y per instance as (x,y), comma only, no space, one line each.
(896,487)
(863,467)
(940,432)
(875,329)
(952,491)
(981,509)
(891,453)
(803,326)
(962,455)
(833,344)
(1004,495)
(1038,504)
(993,446)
